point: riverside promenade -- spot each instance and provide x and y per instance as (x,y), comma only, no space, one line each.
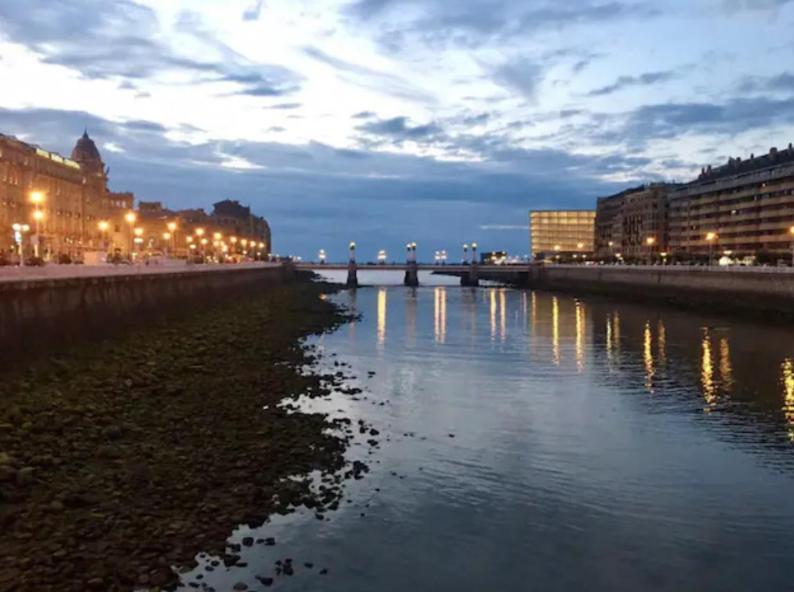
(42,306)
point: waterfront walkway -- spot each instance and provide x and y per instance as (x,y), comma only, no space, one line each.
(29,273)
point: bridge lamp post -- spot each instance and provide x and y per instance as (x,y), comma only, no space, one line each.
(465,253)
(711,238)
(382,256)
(321,256)
(413,252)
(352,249)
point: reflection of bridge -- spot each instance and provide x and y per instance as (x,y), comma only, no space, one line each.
(469,273)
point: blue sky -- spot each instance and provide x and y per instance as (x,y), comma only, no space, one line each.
(384,121)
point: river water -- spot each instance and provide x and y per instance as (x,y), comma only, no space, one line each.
(539,441)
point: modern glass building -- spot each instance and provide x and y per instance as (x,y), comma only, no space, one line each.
(566,233)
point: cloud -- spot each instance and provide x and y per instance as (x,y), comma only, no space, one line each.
(253,11)
(399,130)
(377,80)
(623,82)
(522,76)
(309,184)
(126,41)
(473,22)
(783,82)
(363,115)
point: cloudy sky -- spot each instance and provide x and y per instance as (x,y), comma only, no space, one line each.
(383,121)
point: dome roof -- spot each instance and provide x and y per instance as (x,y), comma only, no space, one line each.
(85,150)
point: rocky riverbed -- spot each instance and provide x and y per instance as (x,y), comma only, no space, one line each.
(121,461)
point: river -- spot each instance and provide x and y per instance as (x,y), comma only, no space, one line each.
(539,441)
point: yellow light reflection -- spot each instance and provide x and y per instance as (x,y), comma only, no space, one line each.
(382,316)
(555,330)
(493,314)
(726,368)
(353,313)
(440,314)
(647,356)
(579,336)
(502,315)
(707,373)
(410,314)
(787,381)
(661,343)
(608,339)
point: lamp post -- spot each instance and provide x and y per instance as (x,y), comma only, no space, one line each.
(130,217)
(167,240)
(465,253)
(321,256)
(382,256)
(474,253)
(352,252)
(138,238)
(200,234)
(172,226)
(103,226)
(650,241)
(19,237)
(36,198)
(711,238)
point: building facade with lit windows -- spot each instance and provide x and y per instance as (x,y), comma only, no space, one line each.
(62,209)
(745,207)
(557,233)
(632,224)
(60,201)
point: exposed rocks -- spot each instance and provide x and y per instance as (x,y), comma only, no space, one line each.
(120,460)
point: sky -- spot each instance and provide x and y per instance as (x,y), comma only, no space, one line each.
(388,121)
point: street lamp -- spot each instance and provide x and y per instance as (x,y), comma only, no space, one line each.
(321,256)
(130,217)
(650,241)
(167,239)
(711,237)
(474,253)
(352,249)
(19,232)
(465,253)
(172,226)
(103,226)
(36,198)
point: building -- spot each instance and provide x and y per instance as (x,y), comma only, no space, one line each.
(561,233)
(633,223)
(745,207)
(61,208)
(237,220)
(62,205)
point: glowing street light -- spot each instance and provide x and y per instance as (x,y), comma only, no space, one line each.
(103,226)
(321,256)
(465,253)
(19,231)
(37,198)
(130,217)
(382,256)
(711,238)
(352,249)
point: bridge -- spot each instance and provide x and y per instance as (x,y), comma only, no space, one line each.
(470,274)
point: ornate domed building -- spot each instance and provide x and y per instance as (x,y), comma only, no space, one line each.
(87,155)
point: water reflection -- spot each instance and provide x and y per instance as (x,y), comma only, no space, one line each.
(382,299)
(647,357)
(787,380)
(580,330)
(555,329)
(556,452)
(440,313)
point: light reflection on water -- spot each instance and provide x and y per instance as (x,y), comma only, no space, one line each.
(597,446)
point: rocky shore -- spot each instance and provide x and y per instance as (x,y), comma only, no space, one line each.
(121,461)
